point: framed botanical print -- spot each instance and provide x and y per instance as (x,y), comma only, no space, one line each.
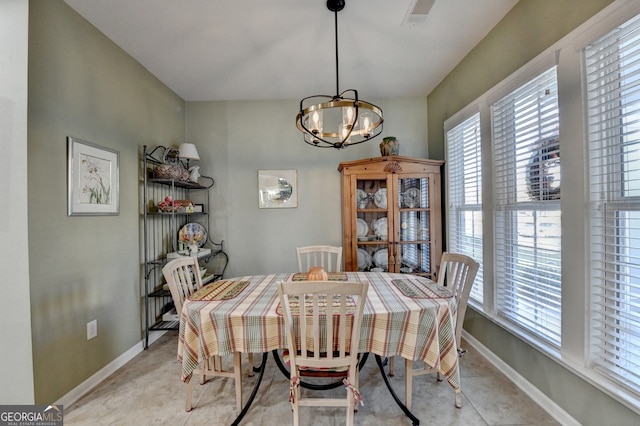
(93,179)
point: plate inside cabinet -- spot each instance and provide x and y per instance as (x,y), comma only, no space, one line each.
(411,198)
(380,228)
(381,258)
(380,198)
(364,260)
(362,228)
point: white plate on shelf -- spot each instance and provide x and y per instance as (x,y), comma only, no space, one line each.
(381,258)
(362,229)
(364,260)
(380,228)
(380,198)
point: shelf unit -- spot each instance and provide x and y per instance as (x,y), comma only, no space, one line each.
(391,215)
(161,243)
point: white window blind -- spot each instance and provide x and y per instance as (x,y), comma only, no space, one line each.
(464,164)
(613,87)
(526,155)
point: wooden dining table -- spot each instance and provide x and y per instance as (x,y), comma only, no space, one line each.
(405,315)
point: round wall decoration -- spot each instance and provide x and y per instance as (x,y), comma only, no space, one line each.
(543,171)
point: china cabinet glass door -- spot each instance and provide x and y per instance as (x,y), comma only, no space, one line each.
(373,223)
(413,234)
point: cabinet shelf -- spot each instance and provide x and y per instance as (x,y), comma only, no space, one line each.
(177,183)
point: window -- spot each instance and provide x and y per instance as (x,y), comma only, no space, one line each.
(613,95)
(526,156)
(465,194)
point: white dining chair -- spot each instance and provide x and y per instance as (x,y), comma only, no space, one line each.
(313,347)
(457,272)
(329,257)
(183,277)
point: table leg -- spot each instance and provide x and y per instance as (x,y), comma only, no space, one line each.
(261,369)
(414,420)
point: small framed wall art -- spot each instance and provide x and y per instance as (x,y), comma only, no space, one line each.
(93,179)
(277,189)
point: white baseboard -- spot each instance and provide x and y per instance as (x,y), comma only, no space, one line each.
(546,403)
(88,385)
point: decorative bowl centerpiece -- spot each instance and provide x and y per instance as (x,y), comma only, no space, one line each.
(316,273)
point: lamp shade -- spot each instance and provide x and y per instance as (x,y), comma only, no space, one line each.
(188,151)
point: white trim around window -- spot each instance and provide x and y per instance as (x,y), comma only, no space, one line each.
(572,350)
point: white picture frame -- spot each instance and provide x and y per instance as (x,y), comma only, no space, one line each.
(277,189)
(93,179)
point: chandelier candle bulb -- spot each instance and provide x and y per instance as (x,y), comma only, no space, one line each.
(365,126)
(316,122)
(347,116)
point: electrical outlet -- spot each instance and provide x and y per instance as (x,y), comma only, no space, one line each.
(92,329)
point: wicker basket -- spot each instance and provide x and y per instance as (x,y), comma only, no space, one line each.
(170,171)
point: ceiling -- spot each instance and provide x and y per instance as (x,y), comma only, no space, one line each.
(207,50)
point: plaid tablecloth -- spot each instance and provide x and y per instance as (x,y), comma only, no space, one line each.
(404,315)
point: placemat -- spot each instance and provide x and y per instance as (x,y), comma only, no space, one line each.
(219,290)
(295,306)
(421,291)
(331,276)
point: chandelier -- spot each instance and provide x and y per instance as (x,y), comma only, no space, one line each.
(341,120)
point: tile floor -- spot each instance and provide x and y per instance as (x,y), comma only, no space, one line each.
(148,391)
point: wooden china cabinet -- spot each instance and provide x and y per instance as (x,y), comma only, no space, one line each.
(391,215)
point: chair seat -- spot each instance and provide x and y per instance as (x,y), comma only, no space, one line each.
(315,372)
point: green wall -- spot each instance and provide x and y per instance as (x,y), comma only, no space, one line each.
(264,240)
(83,268)
(527,30)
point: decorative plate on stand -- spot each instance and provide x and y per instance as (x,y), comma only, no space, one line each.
(193,232)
